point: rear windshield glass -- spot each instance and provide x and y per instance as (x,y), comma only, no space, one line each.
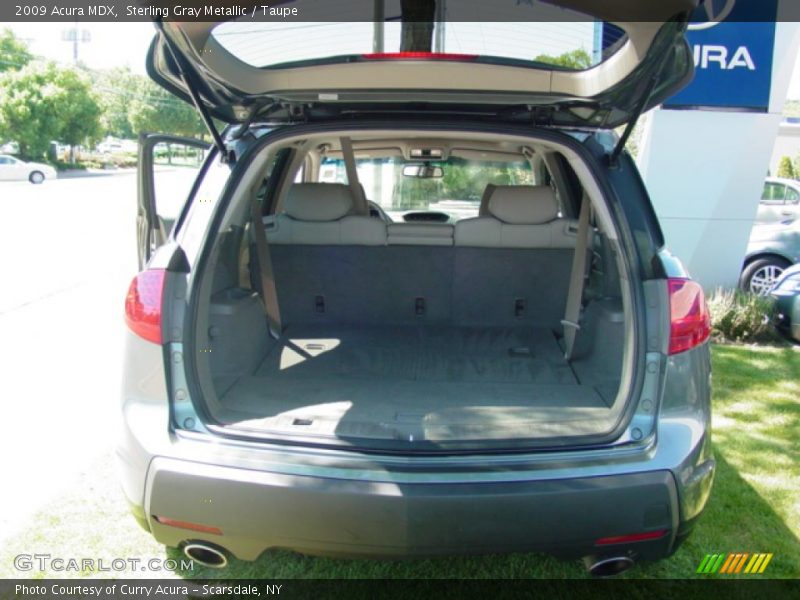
(573,45)
(453,187)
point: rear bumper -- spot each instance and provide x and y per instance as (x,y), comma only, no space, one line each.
(257,511)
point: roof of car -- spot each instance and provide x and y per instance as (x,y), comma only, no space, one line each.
(783,180)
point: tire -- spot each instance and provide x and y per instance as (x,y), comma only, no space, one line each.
(36,177)
(760,276)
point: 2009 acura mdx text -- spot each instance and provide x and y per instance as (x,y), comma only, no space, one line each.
(417,302)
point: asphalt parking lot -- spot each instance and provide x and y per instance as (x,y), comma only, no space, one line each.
(68,254)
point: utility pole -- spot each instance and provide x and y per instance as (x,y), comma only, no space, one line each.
(77,36)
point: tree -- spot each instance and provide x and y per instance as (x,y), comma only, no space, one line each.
(791,109)
(577,59)
(78,110)
(116,88)
(153,109)
(42,103)
(786,168)
(14,53)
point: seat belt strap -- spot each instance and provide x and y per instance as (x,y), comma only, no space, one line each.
(577,280)
(352,175)
(266,278)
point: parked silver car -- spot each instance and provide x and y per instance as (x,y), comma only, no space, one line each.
(309,367)
(15,169)
(780,201)
(772,249)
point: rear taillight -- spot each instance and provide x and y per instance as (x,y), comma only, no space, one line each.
(418,56)
(143,305)
(690,321)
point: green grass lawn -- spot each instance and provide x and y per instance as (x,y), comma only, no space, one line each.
(754,507)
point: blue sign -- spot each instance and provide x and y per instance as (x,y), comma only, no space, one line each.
(732,42)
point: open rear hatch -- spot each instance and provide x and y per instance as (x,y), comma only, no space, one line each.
(480,377)
(612,60)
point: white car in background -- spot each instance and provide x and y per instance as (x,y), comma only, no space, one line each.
(780,201)
(14,169)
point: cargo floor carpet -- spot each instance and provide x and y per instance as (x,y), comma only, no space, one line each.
(409,383)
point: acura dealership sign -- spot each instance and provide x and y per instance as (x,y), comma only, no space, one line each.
(732,44)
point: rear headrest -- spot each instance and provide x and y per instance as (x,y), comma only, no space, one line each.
(523,204)
(318,201)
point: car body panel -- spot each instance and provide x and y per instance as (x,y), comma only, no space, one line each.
(14,169)
(780,201)
(787,303)
(393,519)
(775,239)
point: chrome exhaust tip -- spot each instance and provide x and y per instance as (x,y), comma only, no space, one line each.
(607,566)
(206,555)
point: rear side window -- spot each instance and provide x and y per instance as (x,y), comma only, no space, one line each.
(792,196)
(774,193)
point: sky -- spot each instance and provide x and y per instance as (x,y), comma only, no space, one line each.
(125,44)
(111,45)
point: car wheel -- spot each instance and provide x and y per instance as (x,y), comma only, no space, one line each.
(760,276)
(36,177)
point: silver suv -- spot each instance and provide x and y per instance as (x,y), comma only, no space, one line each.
(417,302)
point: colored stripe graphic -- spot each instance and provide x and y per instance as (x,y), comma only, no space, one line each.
(754,560)
(706,559)
(741,562)
(734,562)
(765,563)
(731,559)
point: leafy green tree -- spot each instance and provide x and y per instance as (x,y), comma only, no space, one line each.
(14,53)
(576,59)
(115,89)
(42,103)
(153,109)
(786,168)
(791,109)
(78,110)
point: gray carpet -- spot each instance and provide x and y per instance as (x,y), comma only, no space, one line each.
(434,383)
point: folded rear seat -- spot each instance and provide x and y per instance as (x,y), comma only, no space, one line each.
(420,234)
(508,268)
(512,264)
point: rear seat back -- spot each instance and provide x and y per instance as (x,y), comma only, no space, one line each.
(333,267)
(518,216)
(321,214)
(420,234)
(512,264)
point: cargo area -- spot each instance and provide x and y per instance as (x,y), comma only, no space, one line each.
(388,355)
(432,325)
